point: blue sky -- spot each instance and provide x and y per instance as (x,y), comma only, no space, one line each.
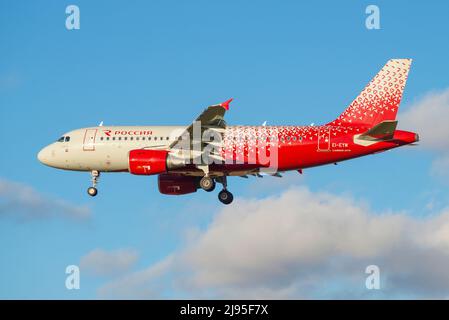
(161,63)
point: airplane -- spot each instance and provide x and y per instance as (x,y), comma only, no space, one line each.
(208,151)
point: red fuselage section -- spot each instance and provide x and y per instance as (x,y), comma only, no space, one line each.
(300,147)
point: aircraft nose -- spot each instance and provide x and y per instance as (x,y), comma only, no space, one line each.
(44,155)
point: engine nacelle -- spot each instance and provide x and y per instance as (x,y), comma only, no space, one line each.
(176,185)
(149,162)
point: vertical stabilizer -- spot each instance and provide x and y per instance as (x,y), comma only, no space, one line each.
(380,99)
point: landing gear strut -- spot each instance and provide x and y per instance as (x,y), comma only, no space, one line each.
(92,191)
(207,184)
(224,195)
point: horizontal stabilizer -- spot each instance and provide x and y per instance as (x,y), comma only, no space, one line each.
(382,131)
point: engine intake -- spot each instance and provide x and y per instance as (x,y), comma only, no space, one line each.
(150,162)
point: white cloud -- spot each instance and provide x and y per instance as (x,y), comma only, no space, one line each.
(429,116)
(104,263)
(144,284)
(301,245)
(24,203)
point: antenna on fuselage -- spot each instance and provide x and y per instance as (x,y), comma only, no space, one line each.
(101,124)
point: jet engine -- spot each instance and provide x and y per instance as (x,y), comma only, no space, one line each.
(175,184)
(149,162)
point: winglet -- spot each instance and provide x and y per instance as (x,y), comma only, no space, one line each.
(226,104)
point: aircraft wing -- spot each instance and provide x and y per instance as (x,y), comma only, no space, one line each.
(211,118)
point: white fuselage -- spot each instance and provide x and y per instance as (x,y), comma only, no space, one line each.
(105,148)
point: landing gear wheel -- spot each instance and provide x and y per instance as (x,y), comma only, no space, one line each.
(95,175)
(207,184)
(225,197)
(92,191)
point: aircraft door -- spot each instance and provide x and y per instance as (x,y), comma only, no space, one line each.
(324,139)
(89,140)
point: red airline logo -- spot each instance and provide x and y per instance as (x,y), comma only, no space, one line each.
(128,132)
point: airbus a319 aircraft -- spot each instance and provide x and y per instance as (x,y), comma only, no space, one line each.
(188,158)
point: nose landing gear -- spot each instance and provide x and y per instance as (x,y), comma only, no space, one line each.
(92,191)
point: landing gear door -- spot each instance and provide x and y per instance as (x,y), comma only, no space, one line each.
(89,140)
(324,139)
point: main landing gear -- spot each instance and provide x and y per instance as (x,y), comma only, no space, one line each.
(208,184)
(92,191)
(224,195)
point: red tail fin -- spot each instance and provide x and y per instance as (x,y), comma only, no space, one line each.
(380,99)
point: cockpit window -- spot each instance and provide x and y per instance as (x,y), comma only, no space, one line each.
(67,139)
(61,139)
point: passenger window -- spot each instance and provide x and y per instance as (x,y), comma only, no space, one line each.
(125,138)
(107,138)
(131,138)
(167,138)
(101,138)
(120,138)
(113,138)
(137,138)
(143,138)
(149,138)
(162,138)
